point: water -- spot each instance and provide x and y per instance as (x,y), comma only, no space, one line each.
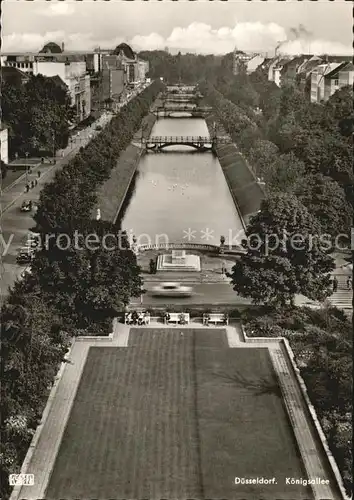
(181,194)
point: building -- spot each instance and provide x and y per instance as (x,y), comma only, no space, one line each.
(327,78)
(289,71)
(275,69)
(240,60)
(142,70)
(4,147)
(51,61)
(255,62)
(14,76)
(304,73)
(112,84)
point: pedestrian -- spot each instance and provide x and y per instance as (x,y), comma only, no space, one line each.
(38,174)
(335,284)
(349,283)
(135,317)
(27,188)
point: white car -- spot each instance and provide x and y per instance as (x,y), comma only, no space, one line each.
(172,290)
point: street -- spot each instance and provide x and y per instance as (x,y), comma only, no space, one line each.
(16,224)
(204,293)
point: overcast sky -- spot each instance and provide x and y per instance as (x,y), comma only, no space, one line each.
(201,26)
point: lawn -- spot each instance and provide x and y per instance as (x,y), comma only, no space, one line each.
(175,416)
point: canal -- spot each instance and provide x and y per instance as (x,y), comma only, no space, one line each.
(181,193)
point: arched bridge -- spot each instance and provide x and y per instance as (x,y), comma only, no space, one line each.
(183,98)
(231,249)
(197,142)
(195,112)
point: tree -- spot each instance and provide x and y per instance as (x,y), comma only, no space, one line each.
(283,257)
(88,283)
(285,173)
(340,107)
(261,156)
(325,199)
(38,115)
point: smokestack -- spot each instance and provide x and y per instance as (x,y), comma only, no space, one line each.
(62,47)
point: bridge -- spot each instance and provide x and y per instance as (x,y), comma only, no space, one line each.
(181,87)
(196,142)
(195,112)
(226,249)
(181,98)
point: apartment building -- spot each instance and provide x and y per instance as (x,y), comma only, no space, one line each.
(327,78)
(51,61)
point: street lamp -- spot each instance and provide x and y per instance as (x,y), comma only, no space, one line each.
(53,137)
(26,154)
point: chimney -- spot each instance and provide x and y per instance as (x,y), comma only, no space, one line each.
(62,47)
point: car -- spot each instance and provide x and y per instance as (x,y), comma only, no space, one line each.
(25,257)
(172,290)
(26,206)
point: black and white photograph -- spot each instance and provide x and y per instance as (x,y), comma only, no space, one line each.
(176,228)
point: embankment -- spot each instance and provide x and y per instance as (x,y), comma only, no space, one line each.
(112,193)
(242,182)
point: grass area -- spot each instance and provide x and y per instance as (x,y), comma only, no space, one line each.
(244,429)
(175,416)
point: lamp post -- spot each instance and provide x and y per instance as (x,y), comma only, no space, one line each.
(26,154)
(53,137)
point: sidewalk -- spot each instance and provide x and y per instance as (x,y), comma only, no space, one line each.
(17,190)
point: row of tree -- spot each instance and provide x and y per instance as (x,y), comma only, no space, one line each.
(74,287)
(37,114)
(303,152)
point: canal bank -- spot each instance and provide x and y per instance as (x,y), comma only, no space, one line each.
(112,193)
(247,193)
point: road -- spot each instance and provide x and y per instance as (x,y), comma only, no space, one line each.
(16,224)
(204,293)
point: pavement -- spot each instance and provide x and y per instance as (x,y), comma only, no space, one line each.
(16,224)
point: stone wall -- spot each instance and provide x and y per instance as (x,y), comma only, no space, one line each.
(243,186)
(242,182)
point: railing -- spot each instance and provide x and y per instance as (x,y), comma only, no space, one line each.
(183,109)
(184,140)
(183,246)
(178,139)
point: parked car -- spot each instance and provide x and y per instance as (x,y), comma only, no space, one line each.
(172,290)
(26,206)
(25,256)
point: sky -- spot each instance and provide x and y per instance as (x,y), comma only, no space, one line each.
(205,27)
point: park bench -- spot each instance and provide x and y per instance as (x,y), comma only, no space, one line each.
(146,319)
(215,318)
(175,318)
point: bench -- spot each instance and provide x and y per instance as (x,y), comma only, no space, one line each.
(215,318)
(175,318)
(146,318)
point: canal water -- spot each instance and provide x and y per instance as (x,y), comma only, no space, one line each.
(180,194)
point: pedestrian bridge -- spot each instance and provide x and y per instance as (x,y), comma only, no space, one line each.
(170,111)
(197,142)
(226,249)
